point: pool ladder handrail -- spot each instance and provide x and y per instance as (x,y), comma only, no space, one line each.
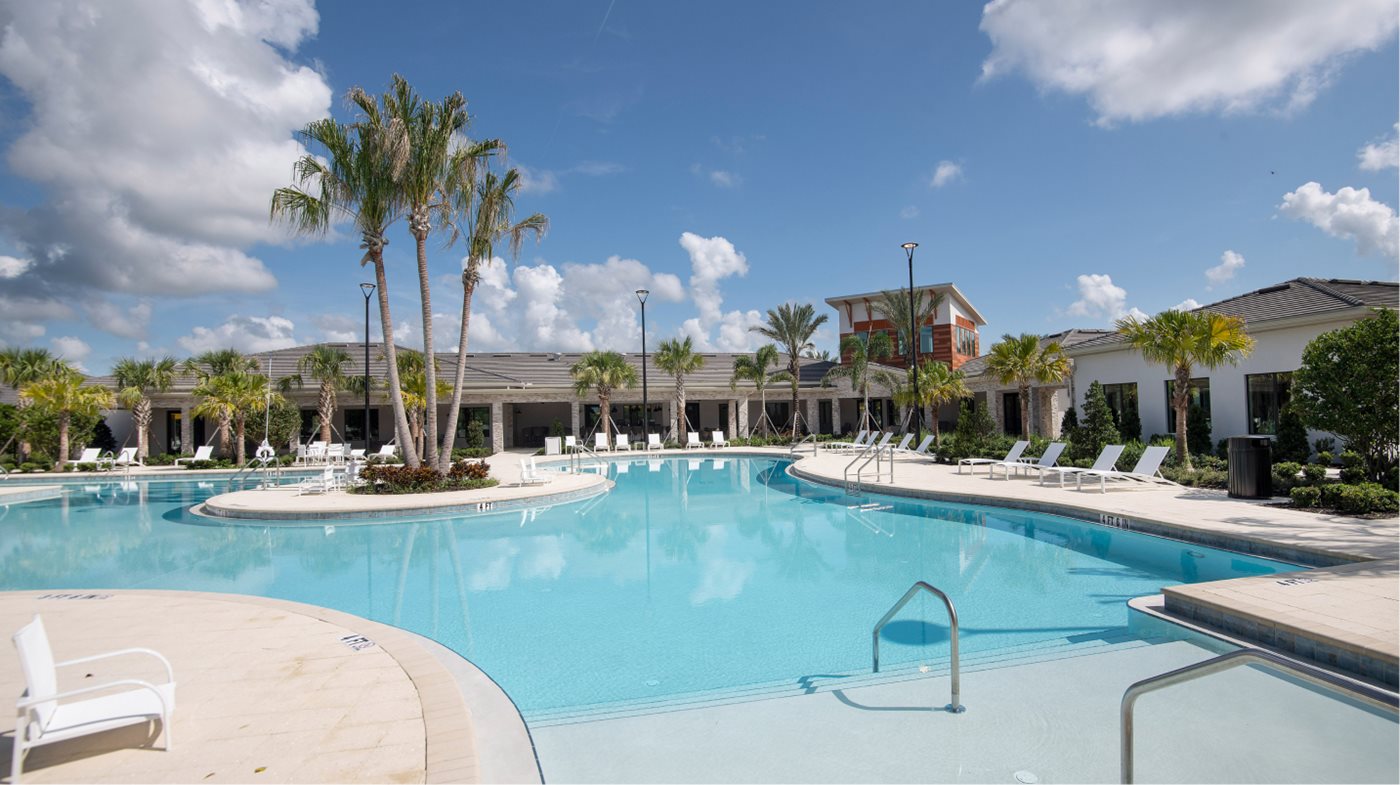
(955,705)
(576,458)
(811,437)
(1308,673)
(864,457)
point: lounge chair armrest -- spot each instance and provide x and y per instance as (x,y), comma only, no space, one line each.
(27,702)
(169,671)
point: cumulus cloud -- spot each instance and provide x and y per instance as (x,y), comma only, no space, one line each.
(1381,154)
(946,172)
(1189,304)
(1101,298)
(21,316)
(1348,214)
(122,322)
(156,132)
(717,177)
(1138,60)
(712,260)
(248,334)
(339,328)
(10,267)
(1230,263)
(72,349)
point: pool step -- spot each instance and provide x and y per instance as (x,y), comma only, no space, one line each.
(828,682)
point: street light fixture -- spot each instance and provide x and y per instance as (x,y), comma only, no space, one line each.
(368,289)
(914,347)
(646,408)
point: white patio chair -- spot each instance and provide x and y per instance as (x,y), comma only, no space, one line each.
(529,473)
(621,444)
(717,439)
(387,451)
(1047,461)
(1146,472)
(127,458)
(570,443)
(1105,462)
(600,442)
(321,483)
(90,455)
(904,443)
(357,455)
(553,445)
(922,449)
(47,716)
(856,442)
(204,453)
(692,440)
(1014,454)
(654,441)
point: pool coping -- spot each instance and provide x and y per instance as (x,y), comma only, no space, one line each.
(19,494)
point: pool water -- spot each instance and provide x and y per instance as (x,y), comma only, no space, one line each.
(691,576)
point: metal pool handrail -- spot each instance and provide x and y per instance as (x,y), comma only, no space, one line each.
(954,706)
(811,437)
(1316,676)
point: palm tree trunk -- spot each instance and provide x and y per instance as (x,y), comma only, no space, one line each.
(605,411)
(326,408)
(142,415)
(450,438)
(1025,410)
(224,434)
(239,448)
(420,236)
(680,403)
(64,419)
(391,354)
(1181,398)
(794,368)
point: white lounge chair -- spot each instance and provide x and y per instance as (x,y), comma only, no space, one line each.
(839,445)
(203,453)
(553,445)
(93,455)
(922,449)
(1147,471)
(1105,462)
(692,440)
(529,475)
(46,716)
(904,442)
(654,441)
(621,444)
(1014,454)
(1046,461)
(884,441)
(570,443)
(387,451)
(127,458)
(717,439)
(321,483)
(600,442)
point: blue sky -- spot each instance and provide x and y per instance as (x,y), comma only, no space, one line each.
(1095,159)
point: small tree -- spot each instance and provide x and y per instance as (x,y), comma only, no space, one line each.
(1347,386)
(975,427)
(1098,429)
(1197,430)
(283,423)
(1130,424)
(1291,442)
(102,437)
(475,438)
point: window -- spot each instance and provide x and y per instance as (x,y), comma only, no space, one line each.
(966,341)
(926,339)
(355,425)
(1268,394)
(310,424)
(1121,398)
(779,413)
(692,416)
(897,341)
(1200,396)
(482,415)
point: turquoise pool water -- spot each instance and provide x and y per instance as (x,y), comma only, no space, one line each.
(692,575)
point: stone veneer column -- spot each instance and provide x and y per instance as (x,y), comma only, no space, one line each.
(186,430)
(731,426)
(811,415)
(994,408)
(1051,412)
(741,409)
(498,434)
(575,410)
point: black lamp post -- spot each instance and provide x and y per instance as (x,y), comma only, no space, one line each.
(368,289)
(914,347)
(646,408)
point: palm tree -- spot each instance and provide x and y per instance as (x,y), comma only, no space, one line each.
(894,306)
(414,378)
(219,361)
(678,357)
(326,364)
(228,398)
(136,380)
(19,367)
(1020,360)
(1182,340)
(488,204)
(792,326)
(356,176)
(601,373)
(754,370)
(65,395)
(874,346)
(940,384)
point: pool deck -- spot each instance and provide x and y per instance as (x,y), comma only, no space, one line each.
(1343,615)
(269,691)
(14,494)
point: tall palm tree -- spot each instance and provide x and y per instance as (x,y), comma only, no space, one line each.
(678,357)
(1020,360)
(894,306)
(414,378)
(486,203)
(19,367)
(325,364)
(432,130)
(354,173)
(1182,340)
(874,346)
(219,361)
(227,399)
(65,395)
(792,326)
(602,373)
(136,381)
(940,384)
(754,369)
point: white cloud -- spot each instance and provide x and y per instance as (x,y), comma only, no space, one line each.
(717,177)
(909,212)
(945,173)
(10,267)
(157,132)
(544,181)
(340,328)
(248,334)
(1189,304)
(1381,154)
(126,323)
(21,316)
(1137,60)
(1100,298)
(1349,214)
(1230,263)
(72,349)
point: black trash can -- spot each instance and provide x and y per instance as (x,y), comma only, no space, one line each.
(1251,467)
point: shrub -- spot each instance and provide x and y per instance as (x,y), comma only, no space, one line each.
(463,453)
(390,479)
(1197,430)
(467,470)
(1222,449)
(102,437)
(1098,429)
(1306,496)
(1353,467)
(1198,477)
(217,463)
(1326,444)
(387,460)
(41,459)
(475,438)
(1314,474)
(162,459)
(1291,442)
(1324,458)
(1285,476)
(82,467)
(1132,453)
(1210,462)
(1131,426)
(1367,497)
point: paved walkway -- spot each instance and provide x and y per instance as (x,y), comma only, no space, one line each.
(269,691)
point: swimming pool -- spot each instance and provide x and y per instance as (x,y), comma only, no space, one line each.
(692,577)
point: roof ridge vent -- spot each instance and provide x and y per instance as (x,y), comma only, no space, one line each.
(1320,286)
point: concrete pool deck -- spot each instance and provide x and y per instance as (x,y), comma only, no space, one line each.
(269,691)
